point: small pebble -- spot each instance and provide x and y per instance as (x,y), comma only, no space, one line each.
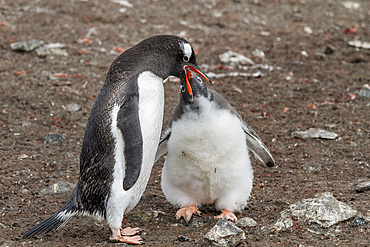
(54,138)
(362,187)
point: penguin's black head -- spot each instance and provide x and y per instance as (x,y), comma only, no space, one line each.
(167,55)
(197,87)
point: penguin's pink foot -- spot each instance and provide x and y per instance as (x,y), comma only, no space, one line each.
(227,215)
(117,237)
(128,231)
(187,212)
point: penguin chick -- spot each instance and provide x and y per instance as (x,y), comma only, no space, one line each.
(122,135)
(208,161)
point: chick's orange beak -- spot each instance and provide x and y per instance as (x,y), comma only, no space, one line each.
(188,76)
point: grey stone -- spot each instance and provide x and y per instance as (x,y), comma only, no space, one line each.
(225,233)
(329,50)
(363,186)
(54,138)
(359,221)
(246,222)
(73,107)
(59,187)
(314,133)
(365,91)
(323,210)
(312,167)
(183,239)
(26,46)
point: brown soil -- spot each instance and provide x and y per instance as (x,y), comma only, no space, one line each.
(322,92)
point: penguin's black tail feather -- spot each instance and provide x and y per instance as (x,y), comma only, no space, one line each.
(58,219)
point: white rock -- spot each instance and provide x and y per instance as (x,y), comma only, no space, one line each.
(225,233)
(234,59)
(359,44)
(351,5)
(314,133)
(308,30)
(323,210)
(245,222)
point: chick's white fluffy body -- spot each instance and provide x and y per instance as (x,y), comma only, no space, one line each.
(207,161)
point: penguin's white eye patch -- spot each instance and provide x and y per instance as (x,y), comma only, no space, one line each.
(186,47)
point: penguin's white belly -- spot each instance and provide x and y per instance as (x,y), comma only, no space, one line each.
(151,105)
(207,161)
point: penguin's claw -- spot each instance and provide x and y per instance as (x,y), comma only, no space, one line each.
(187,212)
(227,215)
(128,240)
(128,231)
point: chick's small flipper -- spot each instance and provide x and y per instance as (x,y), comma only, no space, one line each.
(258,148)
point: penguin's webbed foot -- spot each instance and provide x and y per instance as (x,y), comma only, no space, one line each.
(117,236)
(128,231)
(128,240)
(187,212)
(227,215)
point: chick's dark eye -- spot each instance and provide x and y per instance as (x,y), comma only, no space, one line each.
(186,58)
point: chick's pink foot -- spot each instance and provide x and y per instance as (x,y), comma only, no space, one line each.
(227,215)
(187,212)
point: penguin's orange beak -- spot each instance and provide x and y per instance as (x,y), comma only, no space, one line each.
(188,76)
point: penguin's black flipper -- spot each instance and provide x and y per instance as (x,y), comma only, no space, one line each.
(57,220)
(128,119)
(256,145)
(162,147)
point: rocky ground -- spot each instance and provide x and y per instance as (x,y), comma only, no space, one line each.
(308,73)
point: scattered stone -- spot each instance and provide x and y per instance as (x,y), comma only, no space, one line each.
(308,30)
(52,49)
(59,187)
(320,56)
(314,133)
(351,5)
(26,46)
(246,222)
(258,54)
(304,53)
(22,156)
(235,59)
(73,107)
(312,167)
(363,186)
(54,138)
(329,50)
(359,221)
(365,91)
(225,233)
(359,44)
(323,210)
(183,239)
(26,124)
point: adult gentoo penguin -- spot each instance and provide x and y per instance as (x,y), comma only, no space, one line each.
(122,135)
(208,161)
